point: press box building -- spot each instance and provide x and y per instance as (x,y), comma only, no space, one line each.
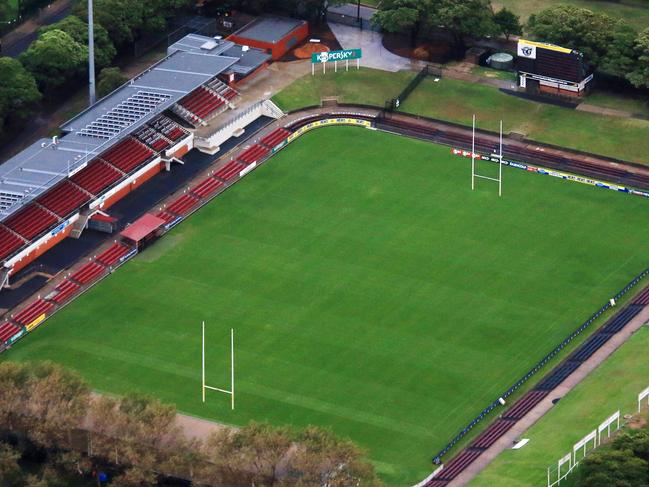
(555,70)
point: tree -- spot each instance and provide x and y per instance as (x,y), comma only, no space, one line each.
(123,19)
(605,42)
(9,468)
(465,18)
(508,23)
(54,58)
(639,74)
(249,456)
(78,30)
(109,80)
(322,458)
(401,16)
(19,94)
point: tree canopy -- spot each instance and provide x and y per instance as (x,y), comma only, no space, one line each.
(625,462)
(461,18)
(19,94)
(78,30)
(54,58)
(606,42)
(109,80)
(639,74)
(508,23)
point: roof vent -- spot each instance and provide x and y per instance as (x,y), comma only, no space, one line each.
(209,45)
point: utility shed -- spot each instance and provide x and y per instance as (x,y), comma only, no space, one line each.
(276,35)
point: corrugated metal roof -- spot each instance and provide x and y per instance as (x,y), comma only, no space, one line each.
(43,164)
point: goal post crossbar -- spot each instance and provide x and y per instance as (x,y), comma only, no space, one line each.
(204,386)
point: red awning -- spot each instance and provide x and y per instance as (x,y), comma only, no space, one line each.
(143,226)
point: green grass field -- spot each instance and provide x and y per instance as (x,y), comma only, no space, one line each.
(612,386)
(633,11)
(456,101)
(370,289)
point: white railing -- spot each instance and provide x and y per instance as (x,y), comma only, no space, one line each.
(587,444)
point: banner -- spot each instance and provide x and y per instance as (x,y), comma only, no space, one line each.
(330,56)
(557,174)
(35,323)
(325,122)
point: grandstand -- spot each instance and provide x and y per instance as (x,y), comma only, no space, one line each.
(51,190)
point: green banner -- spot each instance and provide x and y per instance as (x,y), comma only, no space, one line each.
(330,56)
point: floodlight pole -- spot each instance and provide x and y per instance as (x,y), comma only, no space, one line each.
(473,154)
(91,55)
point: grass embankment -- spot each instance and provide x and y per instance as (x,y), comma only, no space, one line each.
(633,11)
(456,101)
(613,385)
(370,289)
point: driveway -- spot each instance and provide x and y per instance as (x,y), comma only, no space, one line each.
(374,54)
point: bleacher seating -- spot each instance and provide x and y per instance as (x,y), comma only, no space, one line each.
(166,216)
(459,463)
(590,346)
(558,375)
(489,436)
(230,170)
(182,205)
(96,177)
(9,242)
(253,154)
(228,93)
(112,254)
(65,290)
(32,312)
(642,297)
(63,199)
(88,273)
(152,138)
(620,320)
(275,137)
(206,187)
(525,404)
(31,221)
(7,330)
(127,155)
(201,102)
(168,128)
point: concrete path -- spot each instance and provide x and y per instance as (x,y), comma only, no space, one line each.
(611,112)
(374,54)
(518,431)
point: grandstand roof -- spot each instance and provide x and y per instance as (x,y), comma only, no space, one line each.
(247,60)
(44,163)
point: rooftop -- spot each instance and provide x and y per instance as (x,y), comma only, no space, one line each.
(269,29)
(46,162)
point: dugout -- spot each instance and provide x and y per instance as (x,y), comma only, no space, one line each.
(276,35)
(553,70)
(143,231)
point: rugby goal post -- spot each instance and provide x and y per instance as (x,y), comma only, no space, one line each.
(499,156)
(204,386)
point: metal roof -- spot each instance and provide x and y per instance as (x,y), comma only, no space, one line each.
(269,29)
(44,163)
(247,60)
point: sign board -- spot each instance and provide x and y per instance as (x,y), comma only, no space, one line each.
(330,56)
(526,50)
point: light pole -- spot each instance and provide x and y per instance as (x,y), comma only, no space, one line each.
(91,55)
